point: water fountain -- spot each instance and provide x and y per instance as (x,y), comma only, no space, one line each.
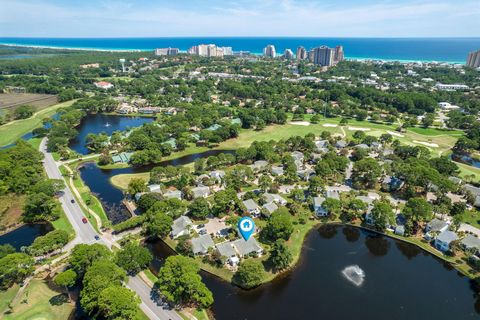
(354,274)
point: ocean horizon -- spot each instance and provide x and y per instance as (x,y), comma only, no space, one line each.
(450,50)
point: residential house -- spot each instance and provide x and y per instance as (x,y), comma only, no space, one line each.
(200,192)
(227,250)
(305,174)
(154,188)
(214,127)
(340,144)
(173,194)
(273,197)
(252,207)
(246,248)
(172,142)
(436,225)
(277,170)
(321,146)
(471,243)
(475,191)
(123,157)
(443,240)
(201,244)
(297,156)
(269,208)
(259,165)
(181,226)
(217,174)
(318,207)
(390,184)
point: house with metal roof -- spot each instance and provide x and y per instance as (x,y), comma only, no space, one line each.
(276,170)
(154,188)
(173,194)
(273,197)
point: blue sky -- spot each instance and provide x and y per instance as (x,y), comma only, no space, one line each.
(161,18)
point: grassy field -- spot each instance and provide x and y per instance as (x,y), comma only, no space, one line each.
(11,209)
(62,223)
(39,302)
(121,180)
(7,296)
(14,130)
(469,173)
(9,101)
(94,205)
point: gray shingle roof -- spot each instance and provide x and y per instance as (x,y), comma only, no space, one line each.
(181,224)
(202,243)
(226,249)
(250,204)
(447,236)
(436,225)
(246,247)
(471,242)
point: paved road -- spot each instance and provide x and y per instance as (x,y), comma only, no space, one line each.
(85,233)
(149,305)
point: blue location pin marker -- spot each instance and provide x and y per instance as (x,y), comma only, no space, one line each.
(246,226)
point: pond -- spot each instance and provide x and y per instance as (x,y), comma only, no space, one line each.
(466,159)
(25,235)
(401,282)
(102,123)
(98,180)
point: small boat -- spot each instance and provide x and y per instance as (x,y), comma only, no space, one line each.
(107,124)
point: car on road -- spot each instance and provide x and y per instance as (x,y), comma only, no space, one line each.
(84,220)
(72,201)
(97,237)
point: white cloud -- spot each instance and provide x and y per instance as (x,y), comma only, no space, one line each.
(241,18)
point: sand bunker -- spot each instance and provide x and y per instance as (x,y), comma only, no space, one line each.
(426,144)
(358,129)
(300,123)
(396,134)
(330,125)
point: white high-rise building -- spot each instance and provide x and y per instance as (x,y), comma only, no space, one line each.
(269,51)
(227,51)
(288,54)
(206,50)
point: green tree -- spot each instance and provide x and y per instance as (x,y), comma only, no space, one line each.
(83,255)
(117,302)
(280,255)
(53,240)
(23,112)
(133,258)
(382,215)
(14,268)
(365,173)
(180,283)
(199,208)
(66,279)
(250,274)
(418,209)
(39,207)
(137,185)
(333,206)
(158,224)
(6,249)
(279,225)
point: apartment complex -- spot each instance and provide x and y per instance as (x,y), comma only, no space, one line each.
(325,56)
(288,54)
(301,53)
(269,51)
(166,51)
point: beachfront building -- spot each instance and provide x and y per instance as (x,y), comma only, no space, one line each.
(451,87)
(473,59)
(322,56)
(269,51)
(301,53)
(288,54)
(167,51)
(206,50)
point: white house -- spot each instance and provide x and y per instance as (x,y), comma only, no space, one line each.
(181,227)
(318,207)
(252,207)
(200,192)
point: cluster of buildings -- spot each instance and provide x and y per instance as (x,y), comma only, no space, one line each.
(323,55)
(210,50)
(473,59)
(167,51)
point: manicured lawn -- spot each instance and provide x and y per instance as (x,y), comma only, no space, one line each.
(62,223)
(35,142)
(94,205)
(7,296)
(121,180)
(14,130)
(39,302)
(435,132)
(469,173)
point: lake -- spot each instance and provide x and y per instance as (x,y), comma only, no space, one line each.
(102,123)
(401,282)
(98,180)
(25,235)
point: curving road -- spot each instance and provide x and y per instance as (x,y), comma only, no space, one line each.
(85,233)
